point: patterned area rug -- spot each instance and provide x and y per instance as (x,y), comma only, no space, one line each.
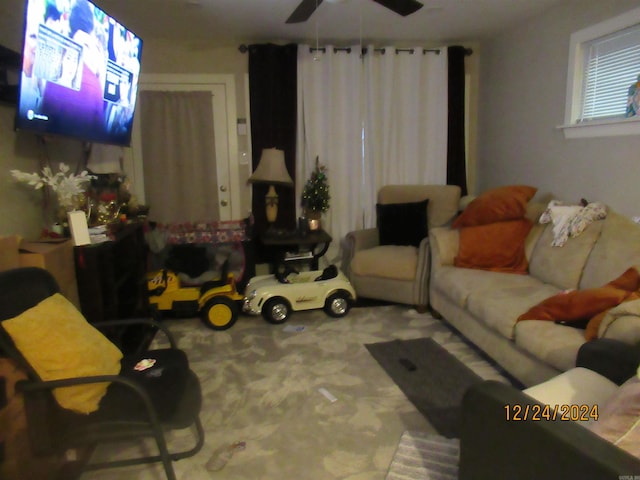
(425,456)
(306,397)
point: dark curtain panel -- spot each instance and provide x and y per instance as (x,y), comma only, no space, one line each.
(456,155)
(273,102)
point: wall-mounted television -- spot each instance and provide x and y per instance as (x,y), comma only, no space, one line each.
(79,74)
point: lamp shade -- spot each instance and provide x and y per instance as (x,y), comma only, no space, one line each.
(271,169)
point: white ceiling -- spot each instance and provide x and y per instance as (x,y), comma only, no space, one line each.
(234,22)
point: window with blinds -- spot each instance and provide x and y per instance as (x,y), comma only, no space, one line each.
(611,74)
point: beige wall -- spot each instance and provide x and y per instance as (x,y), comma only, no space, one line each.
(20,206)
(521,85)
(522,97)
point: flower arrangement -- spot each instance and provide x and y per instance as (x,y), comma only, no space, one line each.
(315,195)
(67,186)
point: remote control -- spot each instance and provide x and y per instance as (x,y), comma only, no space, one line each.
(408,364)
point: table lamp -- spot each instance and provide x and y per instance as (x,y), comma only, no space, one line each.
(273,171)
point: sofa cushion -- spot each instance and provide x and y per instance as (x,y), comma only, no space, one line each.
(563,266)
(498,247)
(443,245)
(532,239)
(617,249)
(556,345)
(620,323)
(534,211)
(618,421)
(499,308)
(459,283)
(496,205)
(402,223)
(386,261)
(578,386)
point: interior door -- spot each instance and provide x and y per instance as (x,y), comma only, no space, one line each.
(223,97)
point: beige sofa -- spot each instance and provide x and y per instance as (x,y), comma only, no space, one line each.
(398,273)
(484,305)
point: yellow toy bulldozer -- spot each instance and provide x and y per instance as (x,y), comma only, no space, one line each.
(217,301)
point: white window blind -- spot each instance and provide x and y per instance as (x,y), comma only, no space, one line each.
(612,64)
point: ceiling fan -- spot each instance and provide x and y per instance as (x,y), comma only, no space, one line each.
(307,7)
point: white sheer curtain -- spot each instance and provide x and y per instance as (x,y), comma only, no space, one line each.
(179,155)
(405,120)
(330,86)
(374,120)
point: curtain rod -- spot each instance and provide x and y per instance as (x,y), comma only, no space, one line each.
(468,51)
(381,50)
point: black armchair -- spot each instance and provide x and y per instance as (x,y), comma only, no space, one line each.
(138,403)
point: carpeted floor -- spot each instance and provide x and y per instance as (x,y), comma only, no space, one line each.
(265,385)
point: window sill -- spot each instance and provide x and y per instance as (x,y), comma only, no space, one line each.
(602,128)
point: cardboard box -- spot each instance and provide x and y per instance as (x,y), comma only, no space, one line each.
(9,257)
(57,258)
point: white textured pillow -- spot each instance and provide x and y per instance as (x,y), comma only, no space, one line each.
(619,420)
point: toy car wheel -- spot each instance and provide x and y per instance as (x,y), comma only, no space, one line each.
(219,313)
(276,310)
(337,304)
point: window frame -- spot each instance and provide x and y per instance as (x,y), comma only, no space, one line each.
(573,106)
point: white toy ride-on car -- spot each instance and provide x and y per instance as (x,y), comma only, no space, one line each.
(277,296)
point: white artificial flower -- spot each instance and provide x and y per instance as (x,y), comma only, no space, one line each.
(65,185)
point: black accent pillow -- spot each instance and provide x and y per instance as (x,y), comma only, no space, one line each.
(402,223)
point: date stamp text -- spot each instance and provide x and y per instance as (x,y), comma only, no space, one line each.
(518,412)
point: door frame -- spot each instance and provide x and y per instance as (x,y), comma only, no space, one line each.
(228,155)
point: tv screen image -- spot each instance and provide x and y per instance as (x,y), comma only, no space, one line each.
(80,72)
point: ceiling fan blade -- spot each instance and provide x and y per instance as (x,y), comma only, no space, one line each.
(401,7)
(303,11)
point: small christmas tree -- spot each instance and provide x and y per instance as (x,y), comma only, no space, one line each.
(315,195)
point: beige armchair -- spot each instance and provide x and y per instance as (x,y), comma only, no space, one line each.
(399,272)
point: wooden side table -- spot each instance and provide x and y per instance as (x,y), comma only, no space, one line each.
(292,246)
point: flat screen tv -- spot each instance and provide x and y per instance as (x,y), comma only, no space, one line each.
(80,72)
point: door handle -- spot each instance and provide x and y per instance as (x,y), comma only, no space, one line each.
(224,203)
(223,188)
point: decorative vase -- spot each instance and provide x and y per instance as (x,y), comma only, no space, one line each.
(77,202)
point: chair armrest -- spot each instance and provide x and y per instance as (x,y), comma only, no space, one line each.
(493,447)
(363,239)
(50,385)
(613,359)
(137,321)
(357,240)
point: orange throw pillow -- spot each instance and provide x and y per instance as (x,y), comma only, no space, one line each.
(496,205)
(588,304)
(629,280)
(576,305)
(498,247)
